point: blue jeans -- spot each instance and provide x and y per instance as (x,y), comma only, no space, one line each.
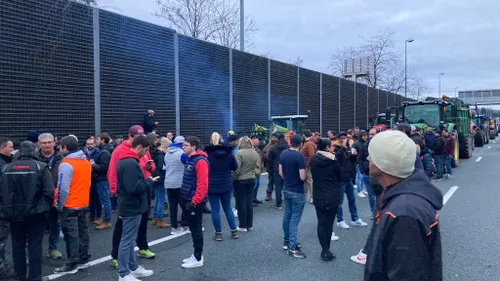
(447,162)
(438,159)
(371,195)
(256,188)
(294,206)
(54,229)
(359,179)
(126,255)
(159,201)
(215,201)
(103,191)
(348,189)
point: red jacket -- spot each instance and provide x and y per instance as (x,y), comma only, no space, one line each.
(449,145)
(116,155)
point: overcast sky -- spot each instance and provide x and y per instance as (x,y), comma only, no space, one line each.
(458,37)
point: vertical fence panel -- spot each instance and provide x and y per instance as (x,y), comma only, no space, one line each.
(310,98)
(361,106)
(372,103)
(283,88)
(346,104)
(330,103)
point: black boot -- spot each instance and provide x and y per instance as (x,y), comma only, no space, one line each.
(326,255)
(206,210)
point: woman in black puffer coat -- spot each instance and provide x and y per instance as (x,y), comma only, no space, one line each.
(326,173)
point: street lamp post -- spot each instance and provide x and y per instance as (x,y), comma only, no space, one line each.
(440,74)
(242,25)
(456,93)
(409,40)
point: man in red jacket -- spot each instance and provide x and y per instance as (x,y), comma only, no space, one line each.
(147,167)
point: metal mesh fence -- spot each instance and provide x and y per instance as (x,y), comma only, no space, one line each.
(58,58)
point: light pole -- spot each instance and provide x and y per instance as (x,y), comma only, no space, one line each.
(242,25)
(440,74)
(409,40)
(456,94)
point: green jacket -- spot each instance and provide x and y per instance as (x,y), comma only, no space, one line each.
(247,159)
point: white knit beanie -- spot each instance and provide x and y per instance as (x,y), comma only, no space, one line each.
(394,153)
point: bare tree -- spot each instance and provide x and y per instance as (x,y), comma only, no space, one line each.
(341,55)
(298,61)
(216,21)
(87,2)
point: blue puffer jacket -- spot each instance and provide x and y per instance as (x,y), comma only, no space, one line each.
(425,155)
(222,163)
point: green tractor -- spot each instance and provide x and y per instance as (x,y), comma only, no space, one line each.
(482,129)
(288,125)
(449,113)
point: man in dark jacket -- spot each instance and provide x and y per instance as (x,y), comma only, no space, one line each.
(357,146)
(438,154)
(273,161)
(406,241)
(365,170)
(149,122)
(430,138)
(132,203)
(28,209)
(48,155)
(6,148)
(95,207)
(193,192)
(99,172)
(449,151)
(270,174)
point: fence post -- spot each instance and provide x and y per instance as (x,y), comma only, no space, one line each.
(298,90)
(177,89)
(231,89)
(321,103)
(387,100)
(340,81)
(268,90)
(355,108)
(378,100)
(367,107)
(97,71)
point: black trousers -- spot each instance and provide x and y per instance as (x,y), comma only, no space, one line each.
(195,218)
(278,189)
(174,200)
(142,235)
(28,232)
(270,182)
(75,226)
(244,196)
(326,217)
(95,207)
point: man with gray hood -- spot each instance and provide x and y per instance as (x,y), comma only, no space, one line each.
(405,242)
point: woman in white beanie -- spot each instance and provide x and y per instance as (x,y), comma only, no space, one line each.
(405,242)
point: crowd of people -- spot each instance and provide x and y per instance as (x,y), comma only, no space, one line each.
(56,186)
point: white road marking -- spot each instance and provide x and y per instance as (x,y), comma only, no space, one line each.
(489,147)
(479,158)
(448,194)
(108,258)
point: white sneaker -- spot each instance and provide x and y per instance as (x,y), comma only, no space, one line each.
(235,212)
(128,278)
(343,225)
(361,194)
(334,237)
(193,263)
(364,192)
(355,186)
(176,231)
(359,222)
(189,259)
(141,272)
(242,229)
(360,258)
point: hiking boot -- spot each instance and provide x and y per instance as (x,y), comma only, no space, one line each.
(234,234)
(327,255)
(269,196)
(296,253)
(162,224)
(54,254)
(69,268)
(147,254)
(154,222)
(114,263)
(218,236)
(104,225)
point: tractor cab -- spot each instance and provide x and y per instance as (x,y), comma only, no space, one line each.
(292,123)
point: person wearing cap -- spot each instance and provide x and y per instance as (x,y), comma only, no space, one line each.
(174,164)
(405,243)
(149,122)
(142,242)
(31,183)
(159,184)
(232,141)
(308,150)
(270,174)
(346,186)
(260,166)
(273,161)
(292,168)
(356,148)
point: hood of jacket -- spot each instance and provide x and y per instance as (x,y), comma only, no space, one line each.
(281,144)
(416,184)
(128,154)
(325,158)
(199,153)
(174,148)
(76,155)
(245,145)
(424,151)
(218,151)
(107,146)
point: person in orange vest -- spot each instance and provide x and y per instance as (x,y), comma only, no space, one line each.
(71,201)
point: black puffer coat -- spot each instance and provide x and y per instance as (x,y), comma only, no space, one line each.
(326,174)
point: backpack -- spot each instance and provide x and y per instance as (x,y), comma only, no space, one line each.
(18,196)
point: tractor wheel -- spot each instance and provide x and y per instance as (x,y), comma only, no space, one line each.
(466,147)
(456,153)
(479,139)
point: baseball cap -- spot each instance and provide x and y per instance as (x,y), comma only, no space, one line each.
(136,130)
(341,134)
(151,111)
(179,140)
(296,140)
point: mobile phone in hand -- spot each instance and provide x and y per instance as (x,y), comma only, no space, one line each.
(156,178)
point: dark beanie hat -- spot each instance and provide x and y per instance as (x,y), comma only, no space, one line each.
(27,148)
(32,136)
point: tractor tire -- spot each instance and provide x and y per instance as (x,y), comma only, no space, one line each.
(479,139)
(466,147)
(456,153)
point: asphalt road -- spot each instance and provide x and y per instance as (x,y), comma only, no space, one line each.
(469,221)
